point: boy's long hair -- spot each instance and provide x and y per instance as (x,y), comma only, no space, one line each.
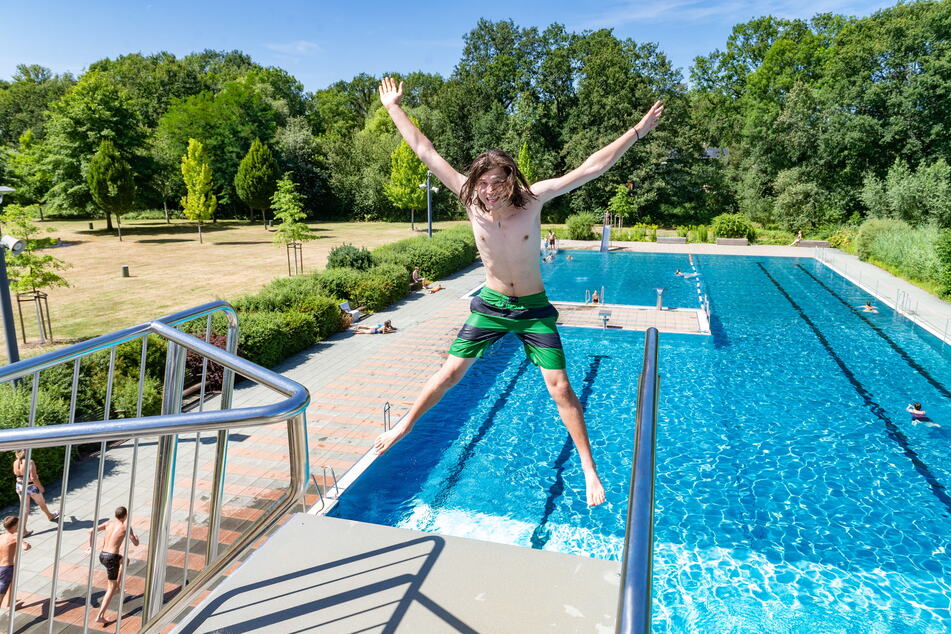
(517,189)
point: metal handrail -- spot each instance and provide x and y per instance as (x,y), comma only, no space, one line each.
(156,612)
(634,606)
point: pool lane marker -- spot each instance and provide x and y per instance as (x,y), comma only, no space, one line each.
(447,485)
(892,430)
(881,333)
(541,534)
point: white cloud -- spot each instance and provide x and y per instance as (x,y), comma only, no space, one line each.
(297,47)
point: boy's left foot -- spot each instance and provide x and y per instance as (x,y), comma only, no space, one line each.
(595,489)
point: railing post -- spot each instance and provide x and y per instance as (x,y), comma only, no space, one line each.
(221,451)
(164,486)
(634,608)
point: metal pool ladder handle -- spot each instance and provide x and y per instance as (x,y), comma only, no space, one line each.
(634,605)
(157,611)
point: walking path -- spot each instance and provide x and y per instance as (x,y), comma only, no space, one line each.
(350,377)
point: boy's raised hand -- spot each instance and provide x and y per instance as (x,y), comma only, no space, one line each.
(650,120)
(389,92)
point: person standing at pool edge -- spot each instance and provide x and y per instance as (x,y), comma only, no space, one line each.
(505,213)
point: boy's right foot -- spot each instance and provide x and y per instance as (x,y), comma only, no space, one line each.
(388,438)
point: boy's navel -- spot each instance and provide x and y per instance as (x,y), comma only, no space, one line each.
(526,237)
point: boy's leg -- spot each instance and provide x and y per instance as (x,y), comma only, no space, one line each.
(569,408)
(111,587)
(438,384)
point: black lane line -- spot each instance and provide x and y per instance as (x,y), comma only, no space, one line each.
(892,430)
(450,482)
(541,534)
(881,333)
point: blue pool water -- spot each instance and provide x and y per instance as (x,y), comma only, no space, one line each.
(627,278)
(793,492)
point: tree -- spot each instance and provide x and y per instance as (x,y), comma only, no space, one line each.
(26,170)
(29,272)
(227,123)
(255,180)
(93,110)
(406,174)
(110,181)
(526,165)
(199,203)
(622,204)
(289,211)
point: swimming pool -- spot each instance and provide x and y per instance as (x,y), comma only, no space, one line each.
(793,493)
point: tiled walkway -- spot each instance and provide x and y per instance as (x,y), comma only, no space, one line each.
(350,377)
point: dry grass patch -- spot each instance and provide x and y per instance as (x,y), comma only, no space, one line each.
(171,271)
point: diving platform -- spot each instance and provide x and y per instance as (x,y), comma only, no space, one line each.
(335,575)
(691,321)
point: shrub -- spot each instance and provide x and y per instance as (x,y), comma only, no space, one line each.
(349,256)
(447,252)
(339,283)
(733,226)
(579,226)
(773,236)
(15,412)
(125,396)
(698,233)
(842,239)
(910,252)
(870,230)
(382,285)
(943,251)
(268,337)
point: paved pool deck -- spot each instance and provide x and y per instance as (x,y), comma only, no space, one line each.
(350,378)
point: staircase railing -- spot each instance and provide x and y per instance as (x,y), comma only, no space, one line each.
(634,607)
(160,604)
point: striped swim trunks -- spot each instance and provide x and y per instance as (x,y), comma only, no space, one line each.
(531,318)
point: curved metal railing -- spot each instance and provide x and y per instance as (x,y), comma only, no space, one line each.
(157,612)
(634,609)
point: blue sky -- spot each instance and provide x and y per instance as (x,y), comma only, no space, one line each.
(320,42)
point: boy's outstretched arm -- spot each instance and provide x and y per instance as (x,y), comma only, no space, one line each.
(599,162)
(390,96)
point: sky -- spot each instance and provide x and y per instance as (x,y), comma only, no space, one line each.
(320,42)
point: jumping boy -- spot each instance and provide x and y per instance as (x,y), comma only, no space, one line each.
(505,213)
(109,556)
(8,557)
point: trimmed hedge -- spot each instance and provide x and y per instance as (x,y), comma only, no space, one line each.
(447,252)
(268,337)
(15,412)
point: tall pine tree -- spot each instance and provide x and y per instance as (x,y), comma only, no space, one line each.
(257,178)
(110,181)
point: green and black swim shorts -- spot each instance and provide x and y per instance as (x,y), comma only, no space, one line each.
(531,318)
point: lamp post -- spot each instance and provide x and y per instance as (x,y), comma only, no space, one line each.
(16,246)
(430,190)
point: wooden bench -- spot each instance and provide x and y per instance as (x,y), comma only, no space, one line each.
(671,240)
(814,243)
(733,242)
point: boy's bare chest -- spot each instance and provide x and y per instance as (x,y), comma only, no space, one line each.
(506,233)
